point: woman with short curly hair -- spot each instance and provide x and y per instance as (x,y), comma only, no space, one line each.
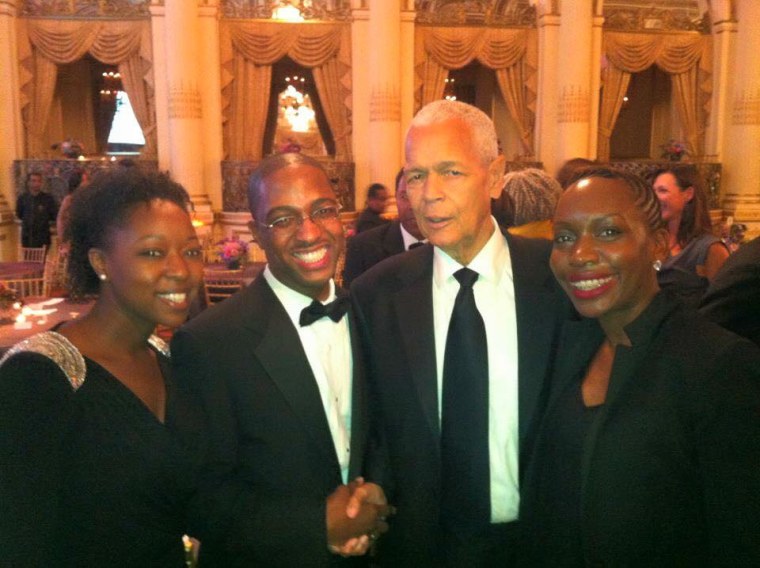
(91,472)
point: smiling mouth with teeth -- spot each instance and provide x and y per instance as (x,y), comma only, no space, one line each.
(174,297)
(311,257)
(590,284)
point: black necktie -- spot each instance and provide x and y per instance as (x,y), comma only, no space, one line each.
(317,310)
(465,475)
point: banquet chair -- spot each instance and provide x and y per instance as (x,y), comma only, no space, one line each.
(32,254)
(219,285)
(25,287)
(54,274)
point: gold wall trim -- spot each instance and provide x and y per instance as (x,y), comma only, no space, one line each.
(85,9)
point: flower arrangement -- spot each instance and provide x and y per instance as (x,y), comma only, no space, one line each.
(70,148)
(8,297)
(732,234)
(673,150)
(10,304)
(232,251)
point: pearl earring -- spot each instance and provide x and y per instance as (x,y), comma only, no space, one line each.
(657,265)
(103,277)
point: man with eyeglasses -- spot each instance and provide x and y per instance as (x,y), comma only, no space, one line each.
(283,393)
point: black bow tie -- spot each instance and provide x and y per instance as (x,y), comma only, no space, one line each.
(317,310)
(415,245)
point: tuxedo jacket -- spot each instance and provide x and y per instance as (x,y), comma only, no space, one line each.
(270,461)
(733,298)
(394,307)
(365,250)
(670,465)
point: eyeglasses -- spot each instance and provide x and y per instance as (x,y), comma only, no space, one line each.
(290,223)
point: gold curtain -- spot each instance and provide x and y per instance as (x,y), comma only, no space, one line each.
(684,56)
(44,44)
(615,86)
(511,53)
(249,49)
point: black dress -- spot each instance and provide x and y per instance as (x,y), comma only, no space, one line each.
(669,467)
(89,477)
(558,482)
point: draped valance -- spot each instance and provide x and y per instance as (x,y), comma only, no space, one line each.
(45,44)
(456,47)
(308,45)
(635,52)
(250,48)
(686,57)
(510,52)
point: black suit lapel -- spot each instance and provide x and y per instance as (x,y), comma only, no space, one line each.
(281,354)
(535,306)
(359,410)
(414,308)
(393,242)
(630,364)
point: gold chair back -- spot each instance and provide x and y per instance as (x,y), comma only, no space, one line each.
(32,254)
(219,285)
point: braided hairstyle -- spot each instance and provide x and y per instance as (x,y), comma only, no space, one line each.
(533,193)
(644,196)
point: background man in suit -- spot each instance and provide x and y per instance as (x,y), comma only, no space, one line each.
(37,210)
(456,508)
(377,197)
(733,298)
(365,250)
(282,391)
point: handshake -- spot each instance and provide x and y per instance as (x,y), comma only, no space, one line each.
(356,515)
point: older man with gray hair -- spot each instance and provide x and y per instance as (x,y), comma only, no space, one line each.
(458,335)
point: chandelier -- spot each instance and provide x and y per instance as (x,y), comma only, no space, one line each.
(288,10)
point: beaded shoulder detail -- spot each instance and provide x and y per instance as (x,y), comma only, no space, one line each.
(57,348)
(160,345)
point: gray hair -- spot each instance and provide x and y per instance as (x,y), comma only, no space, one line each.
(481,126)
(534,194)
(272,164)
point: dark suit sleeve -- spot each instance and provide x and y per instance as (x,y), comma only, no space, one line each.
(727,434)
(354,265)
(35,413)
(376,461)
(733,299)
(20,207)
(231,517)
(52,209)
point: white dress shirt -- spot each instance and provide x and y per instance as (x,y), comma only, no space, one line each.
(328,349)
(495,298)
(409,239)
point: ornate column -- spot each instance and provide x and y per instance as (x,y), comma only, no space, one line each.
(12,140)
(182,51)
(385,92)
(408,15)
(596,83)
(548,22)
(724,46)
(158,36)
(211,95)
(741,172)
(575,61)
(360,95)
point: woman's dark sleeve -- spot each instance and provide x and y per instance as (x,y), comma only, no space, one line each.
(35,414)
(727,430)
